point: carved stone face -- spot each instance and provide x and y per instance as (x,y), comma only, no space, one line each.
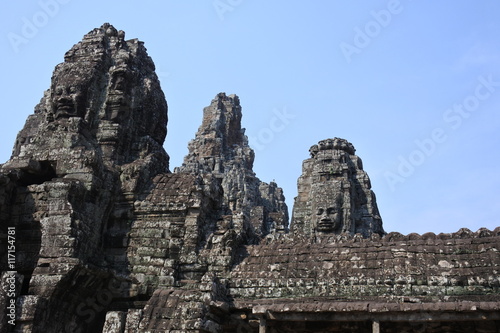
(328,219)
(117,103)
(68,101)
(327,214)
(118,80)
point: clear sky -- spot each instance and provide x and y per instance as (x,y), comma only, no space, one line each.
(414,85)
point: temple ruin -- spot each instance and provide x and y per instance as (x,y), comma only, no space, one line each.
(109,240)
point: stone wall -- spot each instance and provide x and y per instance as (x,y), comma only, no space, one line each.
(411,268)
(428,283)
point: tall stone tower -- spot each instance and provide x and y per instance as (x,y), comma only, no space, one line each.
(220,148)
(92,147)
(334,193)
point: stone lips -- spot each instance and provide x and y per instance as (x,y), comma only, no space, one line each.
(109,240)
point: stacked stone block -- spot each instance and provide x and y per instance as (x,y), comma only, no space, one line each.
(427,268)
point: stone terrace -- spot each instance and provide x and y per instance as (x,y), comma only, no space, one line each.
(390,279)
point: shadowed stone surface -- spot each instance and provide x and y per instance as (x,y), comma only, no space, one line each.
(109,240)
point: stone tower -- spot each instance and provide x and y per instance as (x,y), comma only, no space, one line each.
(92,147)
(334,193)
(220,148)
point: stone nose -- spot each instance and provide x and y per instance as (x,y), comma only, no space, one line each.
(64,101)
(64,98)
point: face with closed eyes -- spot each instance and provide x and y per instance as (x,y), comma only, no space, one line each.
(327,216)
(65,102)
(117,102)
(68,91)
(68,99)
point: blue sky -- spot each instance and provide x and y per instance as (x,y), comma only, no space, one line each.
(414,85)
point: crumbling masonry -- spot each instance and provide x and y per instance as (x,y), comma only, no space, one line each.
(109,240)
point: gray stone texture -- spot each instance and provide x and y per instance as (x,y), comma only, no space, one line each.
(109,240)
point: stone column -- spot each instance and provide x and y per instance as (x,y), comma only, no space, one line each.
(376,326)
(262,325)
